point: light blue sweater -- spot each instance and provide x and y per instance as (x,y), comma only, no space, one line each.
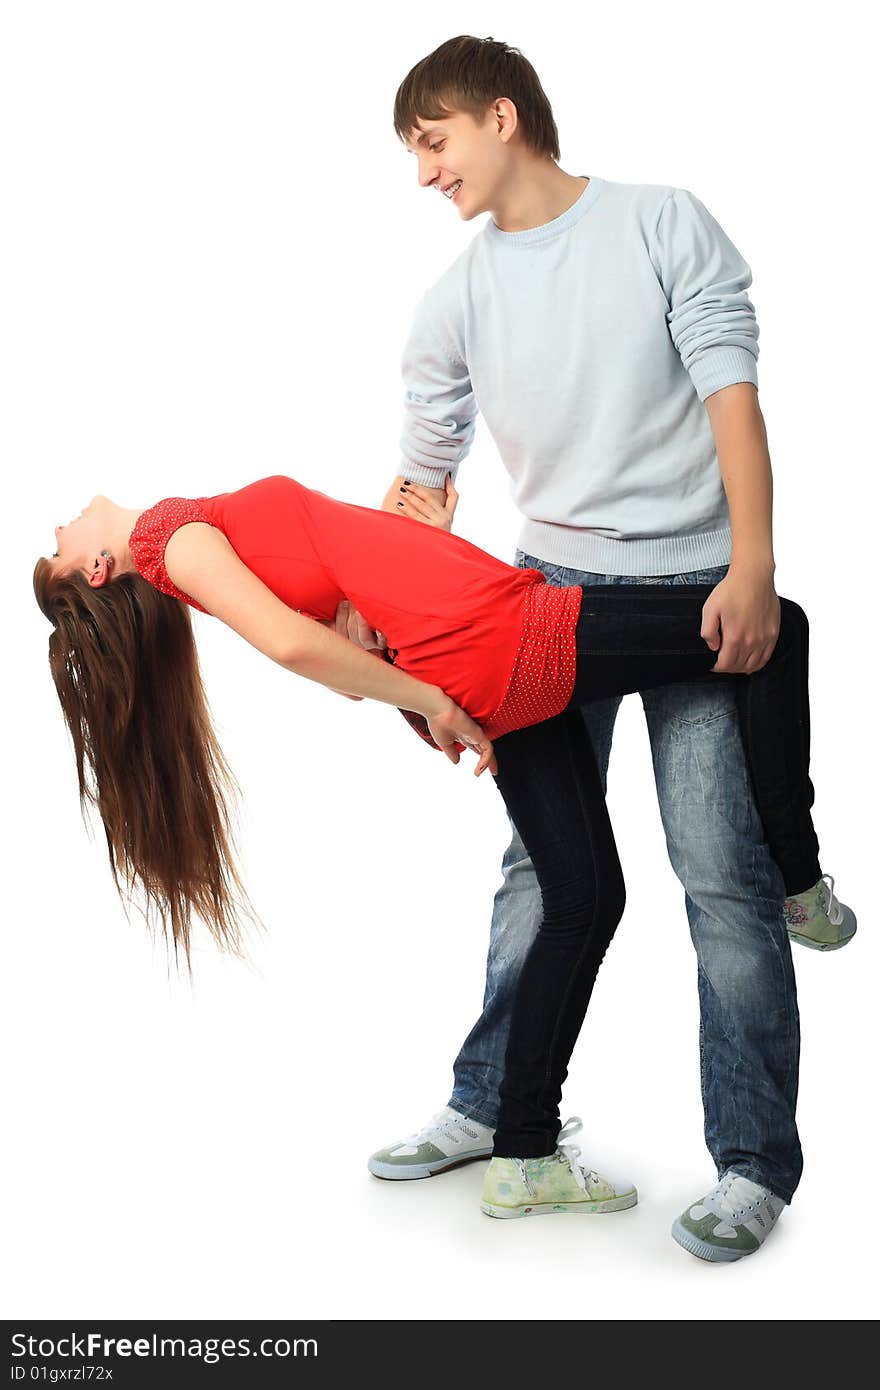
(589,345)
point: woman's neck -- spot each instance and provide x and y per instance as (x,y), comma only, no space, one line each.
(124,524)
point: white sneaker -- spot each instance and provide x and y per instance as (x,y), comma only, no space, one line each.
(559,1182)
(731,1221)
(447,1141)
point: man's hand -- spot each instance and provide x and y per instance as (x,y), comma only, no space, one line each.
(741,621)
(431,505)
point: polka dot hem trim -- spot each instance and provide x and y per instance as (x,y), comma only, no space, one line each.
(542,680)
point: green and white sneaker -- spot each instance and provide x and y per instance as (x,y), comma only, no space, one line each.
(731,1221)
(559,1182)
(816,919)
(447,1141)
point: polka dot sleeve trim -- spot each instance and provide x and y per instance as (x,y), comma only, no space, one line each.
(152,532)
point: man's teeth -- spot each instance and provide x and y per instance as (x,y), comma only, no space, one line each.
(451,191)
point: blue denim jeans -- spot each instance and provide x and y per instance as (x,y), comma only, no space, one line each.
(749,1033)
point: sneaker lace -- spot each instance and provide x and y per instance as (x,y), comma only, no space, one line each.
(571,1154)
(733,1199)
(833,909)
(444,1124)
(722,1191)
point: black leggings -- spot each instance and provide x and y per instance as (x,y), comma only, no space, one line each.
(629,638)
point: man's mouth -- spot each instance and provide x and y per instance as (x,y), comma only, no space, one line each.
(451,191)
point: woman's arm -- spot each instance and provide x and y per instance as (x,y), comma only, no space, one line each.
(203,564)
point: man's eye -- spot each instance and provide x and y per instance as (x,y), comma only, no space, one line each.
(437,147)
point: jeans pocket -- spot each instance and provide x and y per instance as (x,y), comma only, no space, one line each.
(554,574)
(558,575)
(713,575)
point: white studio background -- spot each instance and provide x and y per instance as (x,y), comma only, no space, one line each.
(212,245)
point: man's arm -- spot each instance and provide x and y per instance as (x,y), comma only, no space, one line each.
(741,616)
(712,324)
(440,411)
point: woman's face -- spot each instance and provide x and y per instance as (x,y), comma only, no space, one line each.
(80,542)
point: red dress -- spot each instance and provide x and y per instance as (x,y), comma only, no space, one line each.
(499,641)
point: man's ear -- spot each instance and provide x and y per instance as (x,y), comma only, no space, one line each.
(507,117)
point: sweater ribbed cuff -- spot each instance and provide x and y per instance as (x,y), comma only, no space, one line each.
(722,367)
(424,476)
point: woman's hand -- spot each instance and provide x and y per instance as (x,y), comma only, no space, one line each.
(450,725)
(428,504)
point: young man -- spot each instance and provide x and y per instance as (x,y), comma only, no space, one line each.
(606,332)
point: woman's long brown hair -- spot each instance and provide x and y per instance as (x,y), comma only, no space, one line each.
(124,661)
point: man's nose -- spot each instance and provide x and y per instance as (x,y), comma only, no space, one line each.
(427,175)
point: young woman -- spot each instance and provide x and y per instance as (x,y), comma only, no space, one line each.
(490,657)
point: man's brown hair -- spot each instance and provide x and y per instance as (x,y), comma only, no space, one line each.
(468,74)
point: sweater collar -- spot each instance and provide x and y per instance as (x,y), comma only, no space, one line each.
(549,229)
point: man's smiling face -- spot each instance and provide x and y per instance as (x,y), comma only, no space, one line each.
(463,158)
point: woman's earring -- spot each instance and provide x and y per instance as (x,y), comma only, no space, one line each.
(109,556)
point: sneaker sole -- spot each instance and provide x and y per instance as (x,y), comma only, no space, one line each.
(702,1249)
(628,1199)
(821,945)
(400,1172)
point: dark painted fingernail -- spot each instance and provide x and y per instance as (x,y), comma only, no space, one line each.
(406,480)
(400,504)
(401,489)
